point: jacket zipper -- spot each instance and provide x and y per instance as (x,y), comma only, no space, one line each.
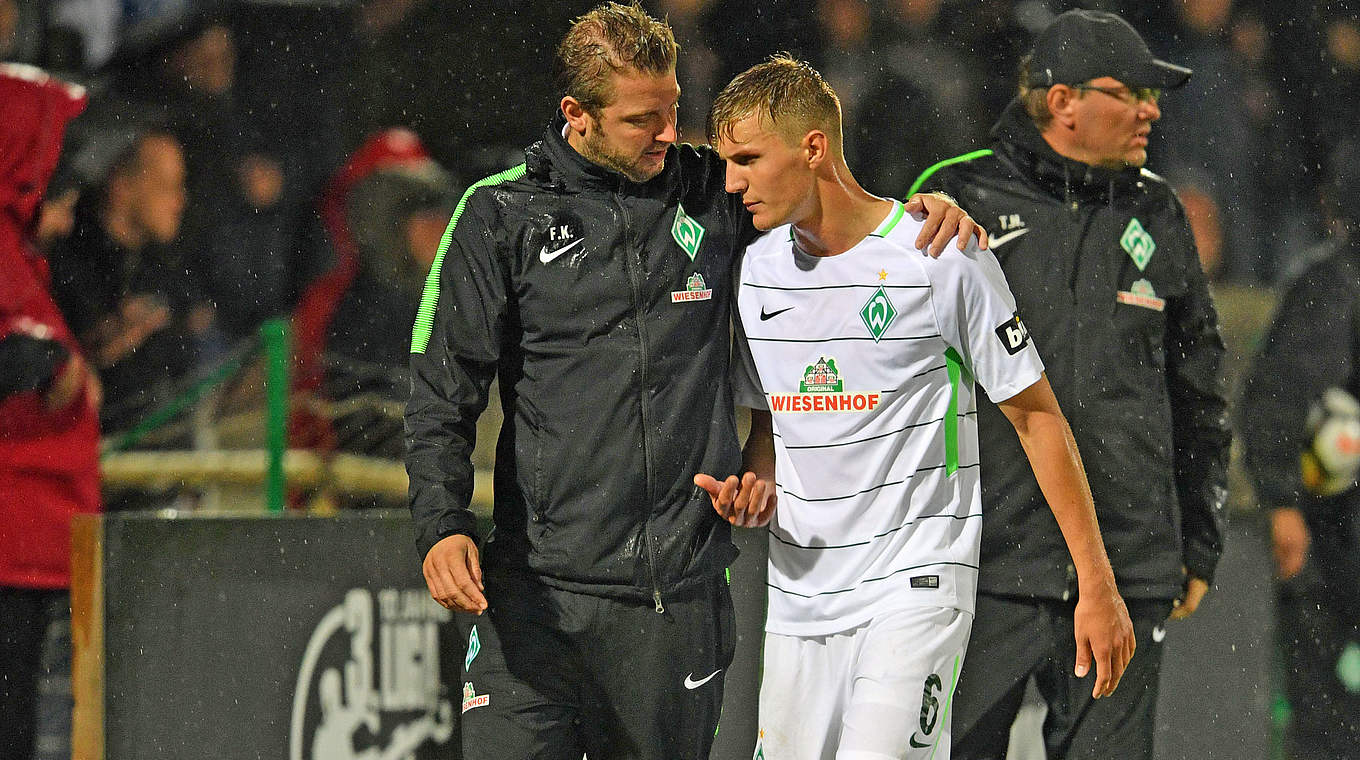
(633,280)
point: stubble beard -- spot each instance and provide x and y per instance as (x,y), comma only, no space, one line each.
(597,150)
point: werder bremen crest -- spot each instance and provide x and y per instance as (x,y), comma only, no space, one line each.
(878,313)
(1138,244)
(473,647)
(687,232)
(821,377)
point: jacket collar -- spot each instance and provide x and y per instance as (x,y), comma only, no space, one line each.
(1019,140)
(553,159)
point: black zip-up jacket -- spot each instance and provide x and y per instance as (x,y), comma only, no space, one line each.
(603,306)
(1107,279)
(1313,344)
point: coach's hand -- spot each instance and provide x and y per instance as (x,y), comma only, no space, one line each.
(746,503)
(453,573)
(1104,634)
(944,220)
(1185,605)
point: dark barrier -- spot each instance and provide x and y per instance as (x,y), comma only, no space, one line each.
(290,637)
(310,638)
(259,637)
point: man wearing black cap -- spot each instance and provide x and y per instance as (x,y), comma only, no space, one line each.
(1310,355)
(1105,274)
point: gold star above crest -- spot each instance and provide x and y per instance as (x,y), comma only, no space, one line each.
(882,274)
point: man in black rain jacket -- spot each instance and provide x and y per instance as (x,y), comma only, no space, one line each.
(1107,280)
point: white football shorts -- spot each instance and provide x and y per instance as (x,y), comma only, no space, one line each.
(881,691)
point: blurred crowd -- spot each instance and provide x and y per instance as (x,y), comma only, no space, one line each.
(238,160)
(246,159)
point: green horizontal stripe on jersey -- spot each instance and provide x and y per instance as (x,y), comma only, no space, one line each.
(870,540)
(870,580)
(925,175)
(877,487)
(429,297)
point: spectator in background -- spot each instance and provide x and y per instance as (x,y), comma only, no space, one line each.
(1312,348)
(847,57)
(383,215)
(919,101)
(469,106)
(1223,148)
(746,33)
(237,231)
(9,29)
(926,55)
(1337,108)
(1275,155)
(138,311)
(1206,222)
(49,432)
(698,68)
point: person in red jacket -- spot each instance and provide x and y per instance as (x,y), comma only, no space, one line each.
(49,430)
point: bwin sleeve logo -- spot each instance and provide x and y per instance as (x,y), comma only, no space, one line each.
(1013,334)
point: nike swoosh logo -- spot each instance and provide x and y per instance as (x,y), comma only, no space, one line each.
(1008,237)
(546,257)
(912,741)
(692,684)
(1158,633)
(764,315)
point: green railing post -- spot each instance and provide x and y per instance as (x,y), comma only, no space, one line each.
(274,336)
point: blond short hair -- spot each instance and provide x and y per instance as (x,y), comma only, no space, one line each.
(612,37)
(788,92)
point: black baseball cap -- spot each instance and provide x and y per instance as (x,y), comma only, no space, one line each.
(1082,45)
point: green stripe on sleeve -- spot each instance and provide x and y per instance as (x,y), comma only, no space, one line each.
(954,365)
(925,175)
(429,297)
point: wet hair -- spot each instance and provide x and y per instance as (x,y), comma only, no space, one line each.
(788,92)
(612,37)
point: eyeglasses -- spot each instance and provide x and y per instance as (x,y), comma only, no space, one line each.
(1130,95)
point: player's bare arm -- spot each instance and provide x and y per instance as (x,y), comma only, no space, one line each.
(944,220)
(749,501)
(1104,632)
(453,573)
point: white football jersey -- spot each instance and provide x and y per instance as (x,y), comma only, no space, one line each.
(867,362)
